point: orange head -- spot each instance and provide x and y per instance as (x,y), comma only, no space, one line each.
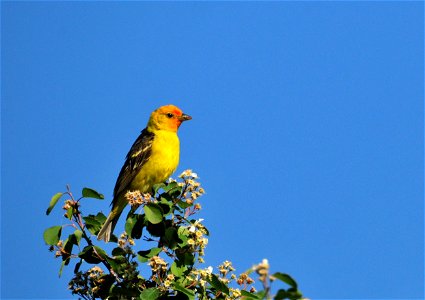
(168,117)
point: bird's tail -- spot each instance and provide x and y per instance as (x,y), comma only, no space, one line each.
(108,227)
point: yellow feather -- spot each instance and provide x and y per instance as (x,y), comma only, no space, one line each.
(162,163)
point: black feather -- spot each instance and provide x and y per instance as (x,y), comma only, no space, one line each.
(137,156)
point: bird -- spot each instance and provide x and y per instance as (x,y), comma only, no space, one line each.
(152,159)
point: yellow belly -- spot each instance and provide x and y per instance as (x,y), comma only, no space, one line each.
(162,163)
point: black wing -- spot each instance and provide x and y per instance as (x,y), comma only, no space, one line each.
(136,158)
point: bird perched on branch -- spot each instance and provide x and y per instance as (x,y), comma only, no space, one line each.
(153,157)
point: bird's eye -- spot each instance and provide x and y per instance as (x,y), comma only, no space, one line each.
(170,115)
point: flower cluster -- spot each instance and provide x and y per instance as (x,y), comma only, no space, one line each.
(262,270)
(200,276)
(225,274)
(244,279)
(87,283)
(136,198)
(197,238)
(191,187)
(70,206)
(94,275)
(125,241)
(234,293)
(159,269)
(169,280)
(158,264)
(225,268)
(60,250)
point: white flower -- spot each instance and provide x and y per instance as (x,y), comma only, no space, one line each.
(193,227)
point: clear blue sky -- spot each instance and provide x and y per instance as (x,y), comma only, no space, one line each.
(307,131)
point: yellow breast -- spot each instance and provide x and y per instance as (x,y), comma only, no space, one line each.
(162,163)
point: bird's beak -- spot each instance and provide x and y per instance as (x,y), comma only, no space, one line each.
(185,117)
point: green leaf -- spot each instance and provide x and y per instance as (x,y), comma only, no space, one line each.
(73,239)
(165,198)
(116,292)
(53,202)
(93,254)
(101,218)
(156,187)
(286,279)
(105,286)
(249,295)
(69,213)
(184,204)
(177,270)
(52,235)
(87,255)
(165,205)
(261,294)
(153,213)
(144,256)
(118,263)
(171,238)
(218,285)
(118,251)
(78,235)
(156,229)
(185,291)
(62,265)
(67,247)
(185,257)
(134,225)
(149,294)
(293,294)
(129,224)
(171,187)
(77,266)
(113,239)
(183,233)
(100,252)
(90,193)
(92,224)
(280,295)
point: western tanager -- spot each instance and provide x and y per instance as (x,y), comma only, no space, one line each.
(153,157)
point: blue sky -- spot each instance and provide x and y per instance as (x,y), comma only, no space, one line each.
(307,131)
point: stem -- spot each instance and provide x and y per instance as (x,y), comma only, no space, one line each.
(79,220)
